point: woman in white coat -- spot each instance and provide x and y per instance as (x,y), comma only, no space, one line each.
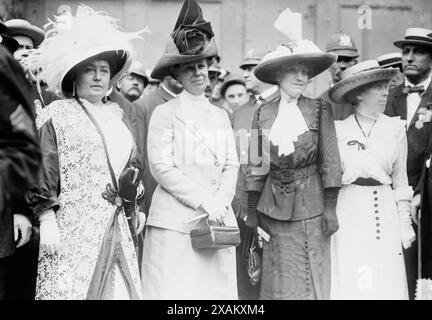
(192,156)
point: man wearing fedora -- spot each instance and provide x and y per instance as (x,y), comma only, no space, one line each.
(346,50)
(412,102)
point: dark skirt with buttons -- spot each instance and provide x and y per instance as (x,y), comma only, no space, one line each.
(296,260)
(366,252)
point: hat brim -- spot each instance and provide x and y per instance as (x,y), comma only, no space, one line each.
(316,63)
(401,43)
(340,90)
(142,75)
(225,85)
(36,34)
(122,57)
(171,59)
(345,53)
(10,43)
(248,63)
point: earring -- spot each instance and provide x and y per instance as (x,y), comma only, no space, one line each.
(73,89)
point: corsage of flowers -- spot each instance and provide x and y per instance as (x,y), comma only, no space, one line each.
(424,115)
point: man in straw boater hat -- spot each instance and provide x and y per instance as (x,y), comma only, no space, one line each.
(344,46)
(292,189)
(29,37)
(392,60)
(373,207)
(411,101)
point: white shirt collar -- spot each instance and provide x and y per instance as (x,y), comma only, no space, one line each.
(267,93)
(169,91)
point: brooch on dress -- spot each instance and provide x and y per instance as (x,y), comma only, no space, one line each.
(424,115)
(360,145)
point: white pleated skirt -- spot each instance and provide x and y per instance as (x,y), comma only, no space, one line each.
(366,252)
(173,270)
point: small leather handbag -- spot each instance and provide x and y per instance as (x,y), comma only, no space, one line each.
(215,236)
(254,262)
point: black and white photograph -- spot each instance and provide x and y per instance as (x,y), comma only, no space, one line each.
(215,154)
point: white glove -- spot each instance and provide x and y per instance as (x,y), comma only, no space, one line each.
(141,220)
(22,225)
(49,232)
(407,232)
(215,210)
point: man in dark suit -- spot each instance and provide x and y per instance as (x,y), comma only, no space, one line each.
(19,165)
(343,45)
(412,101)
(167,90)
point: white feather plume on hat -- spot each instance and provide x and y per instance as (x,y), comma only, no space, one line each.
(70,40)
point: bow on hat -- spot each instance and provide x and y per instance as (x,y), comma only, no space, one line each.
(191,33)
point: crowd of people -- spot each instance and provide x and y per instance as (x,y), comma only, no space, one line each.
(108,170)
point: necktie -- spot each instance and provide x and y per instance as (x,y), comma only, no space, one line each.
(409,89)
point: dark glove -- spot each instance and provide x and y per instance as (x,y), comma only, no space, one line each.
(128,184)
(252,203)
(329,220)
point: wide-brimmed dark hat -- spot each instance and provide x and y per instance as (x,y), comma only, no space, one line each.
(342,44)
(417,36)
(191,40)
(230,80)
(17,27)
(305,52)
(7,41)
(362,73)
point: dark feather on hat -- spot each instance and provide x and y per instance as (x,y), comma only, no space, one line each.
(191,33)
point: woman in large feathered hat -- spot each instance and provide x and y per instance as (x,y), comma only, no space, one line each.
(192,156)
(86,195)
(374,202)
(292,188)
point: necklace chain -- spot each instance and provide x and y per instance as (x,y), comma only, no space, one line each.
(364,134)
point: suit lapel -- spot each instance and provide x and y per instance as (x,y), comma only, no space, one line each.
(400,103)
(427,97)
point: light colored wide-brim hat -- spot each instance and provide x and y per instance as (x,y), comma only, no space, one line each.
(416,36)
(72,41)
(365,72)
(305,52)
(16,27)
(172,57)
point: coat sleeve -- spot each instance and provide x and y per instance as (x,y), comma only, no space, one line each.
(229,176)
(160,150)
(19,146)
(259,157)
(328,151)
(44,194)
